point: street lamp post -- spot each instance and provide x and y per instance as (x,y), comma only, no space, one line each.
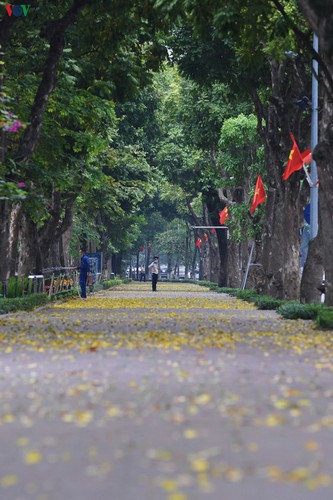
(314,141)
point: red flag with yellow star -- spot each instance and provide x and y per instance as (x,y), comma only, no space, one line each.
(224,216)
(295,161)
(259,195)
(198,242)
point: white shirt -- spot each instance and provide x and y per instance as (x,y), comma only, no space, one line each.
(154,267)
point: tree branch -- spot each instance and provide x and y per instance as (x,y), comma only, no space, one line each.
(304,39)
(54,31)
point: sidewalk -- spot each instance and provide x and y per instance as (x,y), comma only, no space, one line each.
(185,394)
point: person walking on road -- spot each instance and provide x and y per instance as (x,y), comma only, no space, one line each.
(154,269)
(84,269)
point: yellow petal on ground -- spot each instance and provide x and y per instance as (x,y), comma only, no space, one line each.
(252,447)
(281,404)
(163,455)
(9,480)
(169,485)
(311,445)
(177,496)
(299,474)
(199,465)
(203,399)
(82,418)
(114,411)
(234,475)
(22,441)
(8,418)
(274,419)
(32,457)
(318,481)
(275,473)
(190,433)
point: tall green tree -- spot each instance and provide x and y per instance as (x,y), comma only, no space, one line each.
(107,49)
(256,60)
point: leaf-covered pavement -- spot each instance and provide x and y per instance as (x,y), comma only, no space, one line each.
(183,394)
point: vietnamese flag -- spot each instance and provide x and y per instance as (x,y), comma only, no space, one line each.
(259,195)
(306,156)
(224,216)
(198,243)
(213,230)
(295,161)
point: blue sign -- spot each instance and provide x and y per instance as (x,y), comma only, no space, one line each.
(98,256)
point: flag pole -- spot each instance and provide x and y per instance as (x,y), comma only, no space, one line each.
(247,267)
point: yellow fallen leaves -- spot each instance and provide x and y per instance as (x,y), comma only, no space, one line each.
(203,399)
(190,433)
(100,302)
(9,480)
(207,321)
(32,457)
(199,465)
(299,475)
(80,418)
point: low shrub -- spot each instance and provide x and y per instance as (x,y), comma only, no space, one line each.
(111,283)
(23,303)
(125,280)
(264,302)
(324,319)
(248,295)
(295,310)
(208,284)
(224,289)
(65,294)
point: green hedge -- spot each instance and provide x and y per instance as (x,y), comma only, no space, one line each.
(265,302)
(295,310)
(111,283)
(287,309)
(23,303)
(322,315)
(324,319)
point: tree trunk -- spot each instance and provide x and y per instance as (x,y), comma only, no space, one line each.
(234,264)
(312,274)
(65,247)
(4,244)
(281,242)
(222,239)
(29,257)
(15,216)
(283,218)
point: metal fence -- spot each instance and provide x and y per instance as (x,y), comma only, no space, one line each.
(56,280)
(52,281)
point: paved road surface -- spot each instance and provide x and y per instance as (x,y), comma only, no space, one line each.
(180,395)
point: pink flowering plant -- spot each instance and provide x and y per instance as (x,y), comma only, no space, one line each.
(9,122)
